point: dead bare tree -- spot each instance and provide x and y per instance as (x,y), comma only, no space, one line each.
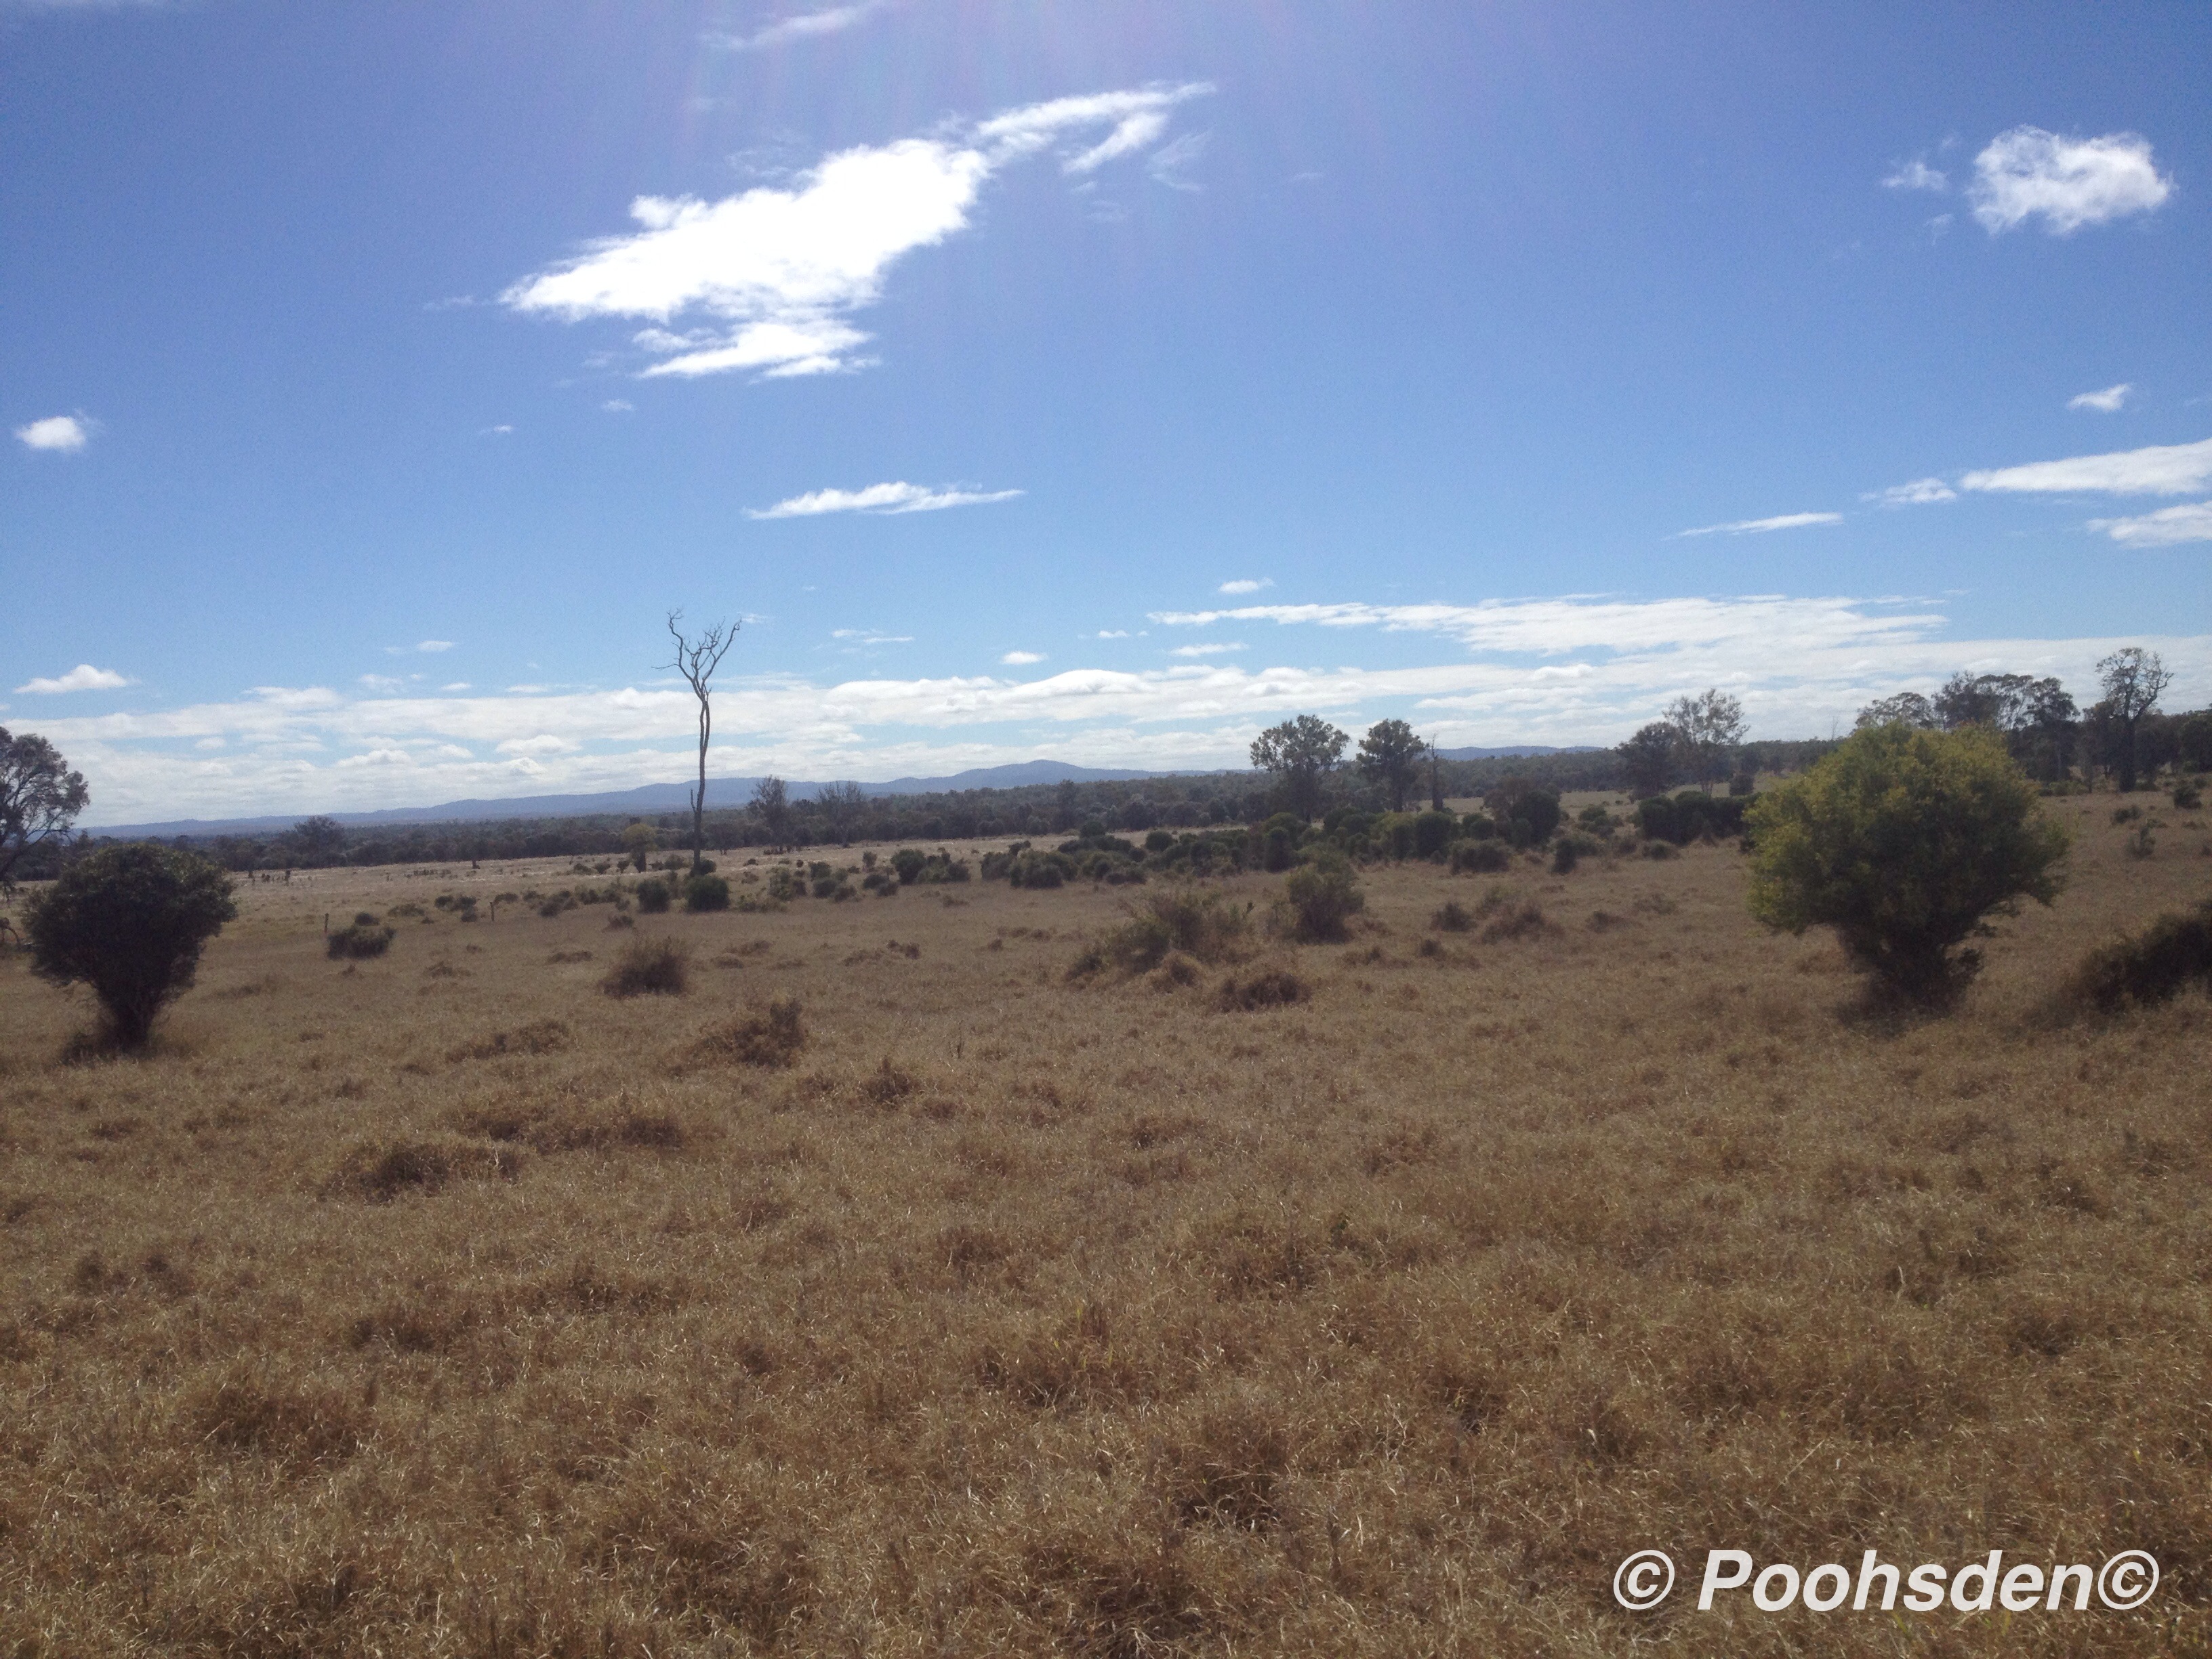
(696,659)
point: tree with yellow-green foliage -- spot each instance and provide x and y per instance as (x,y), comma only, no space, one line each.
(1905,842)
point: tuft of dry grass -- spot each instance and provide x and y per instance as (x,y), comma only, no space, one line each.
(775,1037)
(660,967)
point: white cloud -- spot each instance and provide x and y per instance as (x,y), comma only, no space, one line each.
(1111,634)
(2106,402)
(2167,527)
(383,683)
(1021,658)
(1917,175)
(377,758)
(619,406)
(807,26)
(2161,470)
(775,273)
(1247,584)
(886,498)
(2070,182)
(1218,648)
(859,636)
(59,434)
(1919,493)
(458,685)
(1170,162)
(426,646)
(543,743)
(82,677)
(1760,526)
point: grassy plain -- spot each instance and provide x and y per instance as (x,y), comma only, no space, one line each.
(441,1304)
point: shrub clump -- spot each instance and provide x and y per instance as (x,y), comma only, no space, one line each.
(1201,926)
(1485,857)
(773,1037)
(380,1172)
(1904,842)
(653,896)
(130,921)
(1452,917)
(1318,902)
(1271,987)
(657,966)
(366,937)
(706,893)
(2152,967)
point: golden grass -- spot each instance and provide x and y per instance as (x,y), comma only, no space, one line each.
(438,1303)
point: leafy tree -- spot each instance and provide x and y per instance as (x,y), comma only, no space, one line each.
(1301,753)
(320,840)
(842,807)
(641,841)
(2195,739)
(773,802)
(40,798)
(1710,727)
(1650,758)
(1904,842)
(2133,680)
(1390,756)
(129,922)
(1527,813)
(696,659)
(1904,708)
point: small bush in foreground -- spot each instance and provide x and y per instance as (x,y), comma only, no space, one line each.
(657,966)
(1904,840)
(773,1037)
(1271,987)
(129,922)
(1318,902)
(362,939)
(1199,924)
(653,896)
(2150,967)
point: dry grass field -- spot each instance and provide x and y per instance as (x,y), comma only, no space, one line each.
(440,1304)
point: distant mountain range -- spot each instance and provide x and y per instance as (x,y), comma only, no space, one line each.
(676,797)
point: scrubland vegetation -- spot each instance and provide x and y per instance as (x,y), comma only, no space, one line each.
(1156,1253)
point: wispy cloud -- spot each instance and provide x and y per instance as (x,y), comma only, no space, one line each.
(58,435)
(1921,492)
(2106,402)
(1761,526)
(2068,182)
(806,26)
(1022,658)
(1212,648)
(885,498)
(428,648)
(500,431)
(1916,174)
(618,406)
(2167,527)
(869,636)
(1247,583)
(82,677)
(773,275)
(2161,470)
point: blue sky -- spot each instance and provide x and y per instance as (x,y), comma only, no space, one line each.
(1104,382)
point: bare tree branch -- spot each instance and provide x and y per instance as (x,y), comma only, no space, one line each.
(696,659)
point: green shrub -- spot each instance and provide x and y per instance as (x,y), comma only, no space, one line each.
(660,967)
(1319,902)
(706,893)
(2187,795)
(1202,925)
(1527,813)
(909,861)
(129,922)
(653,896)
(1478,857)
(1691,816)
(1904,842)
(362,939)
(1432,833)
(1451,917)
(782,887)
(2150,967)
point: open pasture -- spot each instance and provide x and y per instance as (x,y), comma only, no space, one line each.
(442,1303)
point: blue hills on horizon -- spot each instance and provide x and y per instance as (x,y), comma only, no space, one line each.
(720,793)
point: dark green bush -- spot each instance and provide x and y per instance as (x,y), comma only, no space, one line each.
(653,896)
(706,893)
(2187,795)
(1273,987)
(129,922)
(1478,857)
(1527,813)
(2150,967)
(1278,850)
(1690,816)
(1203,925)
(1432,833)
(364,939)
(1319,902)
(1451,917)
(907,861)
